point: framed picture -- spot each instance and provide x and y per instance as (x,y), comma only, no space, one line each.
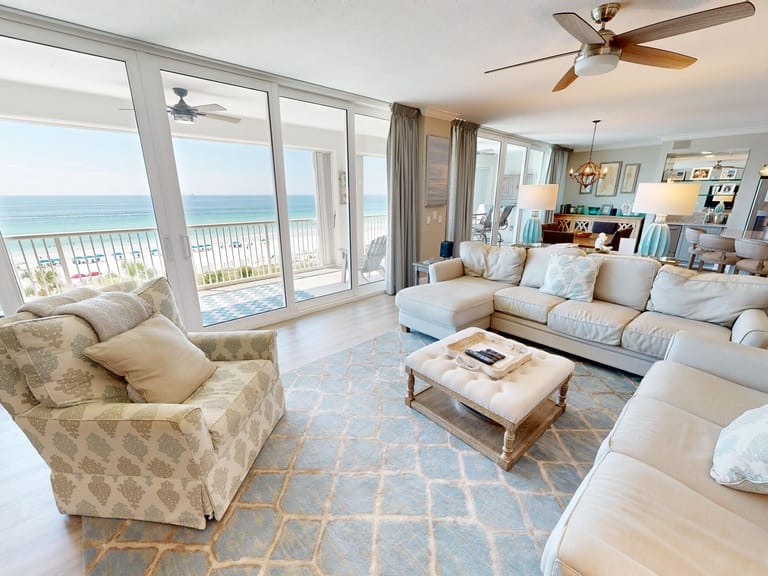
(606,209)
(677,175)
(629,180)
(701,173)
(437,171)
(728,173)
(586,189)
(727,189)
(607,185)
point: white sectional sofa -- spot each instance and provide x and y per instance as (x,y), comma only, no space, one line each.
(648,505)
(637,306)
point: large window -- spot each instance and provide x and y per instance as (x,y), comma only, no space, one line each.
(75,208)
(118,165)
(495,218)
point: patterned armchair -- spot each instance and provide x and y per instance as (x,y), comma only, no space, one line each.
(110,457)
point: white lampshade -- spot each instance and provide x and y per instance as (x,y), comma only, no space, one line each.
(723,197)
(596,64)
(537,196)
(666,198)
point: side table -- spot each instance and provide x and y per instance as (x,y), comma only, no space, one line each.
(423,267)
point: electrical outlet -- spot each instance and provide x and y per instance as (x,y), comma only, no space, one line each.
(440,219)
(429,220)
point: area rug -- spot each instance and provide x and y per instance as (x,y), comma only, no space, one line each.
(353,482)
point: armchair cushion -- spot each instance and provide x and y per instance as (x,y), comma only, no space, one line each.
(157,360)
(49,355)
(158,294)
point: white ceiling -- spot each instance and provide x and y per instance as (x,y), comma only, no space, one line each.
(432,54)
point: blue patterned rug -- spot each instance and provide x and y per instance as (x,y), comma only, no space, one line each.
(353,482)
(223,306)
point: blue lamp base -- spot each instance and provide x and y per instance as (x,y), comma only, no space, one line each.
(532,229)
(655,241)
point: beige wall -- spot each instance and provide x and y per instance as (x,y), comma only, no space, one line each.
(432,220)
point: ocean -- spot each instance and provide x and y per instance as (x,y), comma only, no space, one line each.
(49,214)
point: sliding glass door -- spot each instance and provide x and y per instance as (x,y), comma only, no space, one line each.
(75,207)
(223,151)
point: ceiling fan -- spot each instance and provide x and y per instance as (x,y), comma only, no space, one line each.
(184,113)
(602,49)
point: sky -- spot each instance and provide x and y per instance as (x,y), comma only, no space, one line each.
(38,159)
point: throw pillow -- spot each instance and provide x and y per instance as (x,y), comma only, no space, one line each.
(472,255)
(157,359)
(571,277)
(49,353)
(157,292)
(505,264)
(741,453)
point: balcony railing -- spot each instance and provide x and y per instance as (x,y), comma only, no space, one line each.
(221,254)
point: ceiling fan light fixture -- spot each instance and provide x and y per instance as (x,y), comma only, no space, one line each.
(596,64)
(183,118)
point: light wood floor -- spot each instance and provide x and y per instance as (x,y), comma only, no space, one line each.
(36,540)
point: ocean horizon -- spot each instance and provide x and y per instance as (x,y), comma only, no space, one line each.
(20,215)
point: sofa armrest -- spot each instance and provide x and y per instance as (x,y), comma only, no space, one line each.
(751,328)
(744,365)
(237,345)
(446,270)
(122,439)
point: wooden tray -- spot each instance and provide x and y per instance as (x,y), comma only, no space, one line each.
(516,354)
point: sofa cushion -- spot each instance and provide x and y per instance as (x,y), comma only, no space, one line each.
(537,259)
(629,518)
(456,302)
(571,277)
(596,321)
(472,255)
(625,280)
(709,297)
(504,263)
(157,360)
(231,395)
(157,292)
(525,302)
(741,453)
(651,332)
(48,352)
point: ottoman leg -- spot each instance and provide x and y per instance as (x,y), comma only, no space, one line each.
(563,393)
(505,458)
(409,394)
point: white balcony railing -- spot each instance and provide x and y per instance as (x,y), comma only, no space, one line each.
(221,254)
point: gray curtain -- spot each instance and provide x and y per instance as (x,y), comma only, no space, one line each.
(462,180)
(556,174)
(403,173)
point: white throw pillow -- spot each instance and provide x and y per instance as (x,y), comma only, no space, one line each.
(505,264)
(157,360)
(571,277)
(472,255)
(741,453)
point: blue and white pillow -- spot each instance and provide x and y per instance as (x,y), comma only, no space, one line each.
(741,453)
(571,277)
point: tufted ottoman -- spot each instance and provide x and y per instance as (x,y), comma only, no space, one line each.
(517,407)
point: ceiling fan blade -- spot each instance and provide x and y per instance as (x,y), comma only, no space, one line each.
(231,119)
(209,108)
(532,61)
(684,24)
(655,57)
(579,28)
(566,80)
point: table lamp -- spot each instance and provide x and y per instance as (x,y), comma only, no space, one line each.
(535,197)
(720,198)
(661,199)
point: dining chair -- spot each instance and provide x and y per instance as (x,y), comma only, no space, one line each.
(717,250)
(692,236)
(754,257)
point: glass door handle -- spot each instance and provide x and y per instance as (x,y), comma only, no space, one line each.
(185,249)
